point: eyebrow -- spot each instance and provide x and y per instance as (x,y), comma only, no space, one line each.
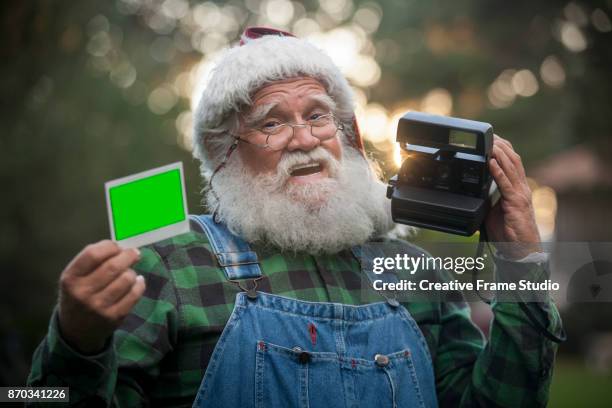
(260,112)
(326,100)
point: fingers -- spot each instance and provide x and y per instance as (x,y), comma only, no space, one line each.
(117,289)
(499,139)
(110,270)
(509,174)
(514,157)
(501,167)
(91,256)
(123,307)
(506,165)
(97,291)
(504,184)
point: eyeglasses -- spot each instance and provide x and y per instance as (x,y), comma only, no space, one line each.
(277,136)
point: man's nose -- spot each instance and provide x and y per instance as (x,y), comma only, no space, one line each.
(302,139)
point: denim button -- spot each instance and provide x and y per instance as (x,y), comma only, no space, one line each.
(297,349)
(304,357)
(381,360)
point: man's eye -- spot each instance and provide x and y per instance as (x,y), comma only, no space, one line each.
(271,125)
(316,116)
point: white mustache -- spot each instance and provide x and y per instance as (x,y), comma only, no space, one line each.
(290,160)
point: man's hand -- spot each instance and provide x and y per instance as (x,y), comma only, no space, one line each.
(512,219)
(97,291)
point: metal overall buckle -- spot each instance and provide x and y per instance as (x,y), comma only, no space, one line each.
(250,292)
(391,300)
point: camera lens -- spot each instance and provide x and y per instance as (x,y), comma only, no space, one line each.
(443,176)
(415,170)
(443,173)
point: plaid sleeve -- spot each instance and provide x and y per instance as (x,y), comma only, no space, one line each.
(122,373)
(513,369)
(56,364)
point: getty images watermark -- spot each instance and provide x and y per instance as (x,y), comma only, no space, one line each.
(564,271)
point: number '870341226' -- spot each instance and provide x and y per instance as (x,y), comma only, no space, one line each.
(33,394)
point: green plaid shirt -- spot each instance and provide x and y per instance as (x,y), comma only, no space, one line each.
(159,354)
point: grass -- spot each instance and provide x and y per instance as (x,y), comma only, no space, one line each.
(575,386)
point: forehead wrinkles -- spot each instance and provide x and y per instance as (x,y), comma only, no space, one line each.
(281,105)
(278,92)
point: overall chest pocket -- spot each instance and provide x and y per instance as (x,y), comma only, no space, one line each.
(286,377)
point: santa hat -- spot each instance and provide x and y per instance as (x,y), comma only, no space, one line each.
(262,56)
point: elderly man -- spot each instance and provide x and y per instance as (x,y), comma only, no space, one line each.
(261,304)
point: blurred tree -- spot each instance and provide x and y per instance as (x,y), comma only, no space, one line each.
(67,128)
(464,46)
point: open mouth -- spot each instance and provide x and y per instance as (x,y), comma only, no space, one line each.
(306,169)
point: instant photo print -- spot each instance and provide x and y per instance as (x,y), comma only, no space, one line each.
(147,207)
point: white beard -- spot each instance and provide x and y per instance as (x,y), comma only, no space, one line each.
(324,216)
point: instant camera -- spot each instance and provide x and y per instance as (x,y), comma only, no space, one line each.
(444,182)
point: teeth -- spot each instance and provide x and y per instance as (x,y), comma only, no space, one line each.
(304,166)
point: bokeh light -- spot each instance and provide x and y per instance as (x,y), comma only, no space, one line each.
(572,37)
(524,83)
(374,122)
(123,75)
(601,21)
(280,12)
(437,101)
(368,16)
(552,72)
(162,99)
(501,93)
(544,201)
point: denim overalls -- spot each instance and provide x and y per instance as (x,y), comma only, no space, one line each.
(281,352)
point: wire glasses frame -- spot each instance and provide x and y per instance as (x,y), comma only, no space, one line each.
(278,137)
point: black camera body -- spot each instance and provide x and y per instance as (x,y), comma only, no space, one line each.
(444,182)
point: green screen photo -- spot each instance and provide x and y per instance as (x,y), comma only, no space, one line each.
(147,204)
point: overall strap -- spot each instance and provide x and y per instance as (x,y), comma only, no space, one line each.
(233,253)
